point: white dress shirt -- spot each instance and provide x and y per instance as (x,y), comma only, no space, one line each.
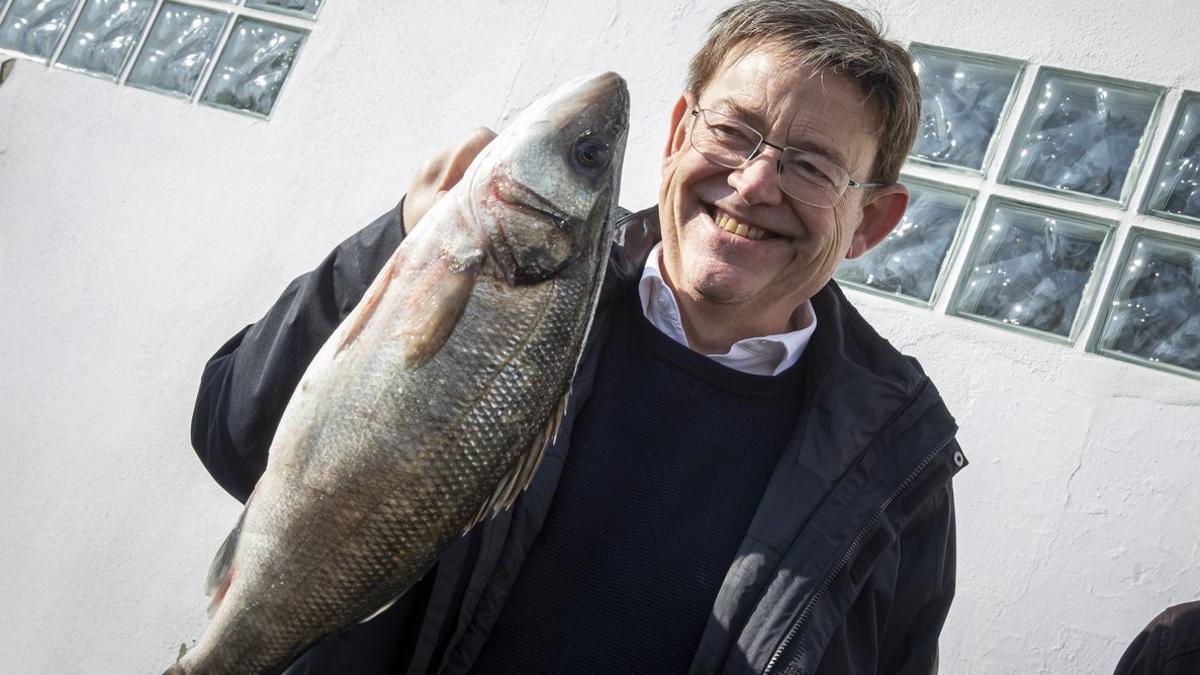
(766,355)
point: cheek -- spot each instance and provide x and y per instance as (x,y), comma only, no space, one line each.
(669,170)
(672,164)
(684,170)
(841,232)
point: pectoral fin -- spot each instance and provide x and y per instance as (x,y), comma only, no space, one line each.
(374,295)
(439,296)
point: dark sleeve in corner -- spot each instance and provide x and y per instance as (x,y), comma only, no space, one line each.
(247,383)
(1168,645)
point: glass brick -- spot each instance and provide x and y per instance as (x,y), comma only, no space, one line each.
(253,66)
(1153,315)
(910,262)
(1175,189)
(178,49)
(964,98)
(105,35)
(1083,135)
(1031,268)
(304,8)
(33,27)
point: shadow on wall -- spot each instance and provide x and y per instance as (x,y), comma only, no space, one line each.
(6,67)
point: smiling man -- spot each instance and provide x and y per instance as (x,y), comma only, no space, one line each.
(748,478)
(753,228)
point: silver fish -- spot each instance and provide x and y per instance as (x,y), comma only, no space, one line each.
(429,407)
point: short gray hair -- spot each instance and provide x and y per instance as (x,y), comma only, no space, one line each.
(825,36)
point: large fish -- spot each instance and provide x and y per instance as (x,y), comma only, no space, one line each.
(429,406)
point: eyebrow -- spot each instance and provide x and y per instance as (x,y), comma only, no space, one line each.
(758,122)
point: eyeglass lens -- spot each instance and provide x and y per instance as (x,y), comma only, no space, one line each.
(804,176)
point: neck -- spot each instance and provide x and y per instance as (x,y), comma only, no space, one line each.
(713,328)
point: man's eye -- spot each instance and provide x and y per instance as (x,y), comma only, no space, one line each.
(732,133)
(809,171)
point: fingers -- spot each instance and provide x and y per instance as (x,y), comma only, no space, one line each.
(462,156)
(442,172)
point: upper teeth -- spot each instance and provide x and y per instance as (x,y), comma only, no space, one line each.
(741,229)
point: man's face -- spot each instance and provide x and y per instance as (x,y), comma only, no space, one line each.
(700,201)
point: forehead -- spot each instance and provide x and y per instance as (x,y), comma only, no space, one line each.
(792,104)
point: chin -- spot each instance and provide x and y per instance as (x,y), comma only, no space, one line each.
(724,287)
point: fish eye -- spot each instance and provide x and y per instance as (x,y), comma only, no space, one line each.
(591,155)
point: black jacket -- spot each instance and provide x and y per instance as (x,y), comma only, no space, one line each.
(848,564)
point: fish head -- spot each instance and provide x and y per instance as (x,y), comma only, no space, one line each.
(552,179)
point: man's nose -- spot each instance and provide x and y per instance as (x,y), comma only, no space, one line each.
(758,180)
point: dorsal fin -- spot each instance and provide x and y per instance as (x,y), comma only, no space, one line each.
(523,470)
(386,607)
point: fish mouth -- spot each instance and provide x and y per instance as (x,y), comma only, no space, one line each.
(521,197)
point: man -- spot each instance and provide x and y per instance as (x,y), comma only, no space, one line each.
(748,479)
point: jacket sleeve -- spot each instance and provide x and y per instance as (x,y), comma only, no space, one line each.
(925,589)
(893,625)
(246,385)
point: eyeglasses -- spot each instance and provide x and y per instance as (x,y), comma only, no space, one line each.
(805,176)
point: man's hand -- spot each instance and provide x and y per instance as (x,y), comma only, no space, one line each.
(441,173)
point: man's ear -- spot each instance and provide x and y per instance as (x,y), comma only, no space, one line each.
(678,134)
(882,210)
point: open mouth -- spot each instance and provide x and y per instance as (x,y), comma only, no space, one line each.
(738,228)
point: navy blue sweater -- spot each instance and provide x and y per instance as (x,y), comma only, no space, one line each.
(668,461)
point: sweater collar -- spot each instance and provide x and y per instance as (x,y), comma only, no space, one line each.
(846,357)
(760,355)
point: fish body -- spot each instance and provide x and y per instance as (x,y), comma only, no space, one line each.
(429,406)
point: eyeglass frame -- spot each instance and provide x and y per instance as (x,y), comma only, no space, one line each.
(697,113)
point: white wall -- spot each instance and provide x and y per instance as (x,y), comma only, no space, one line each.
(137,233)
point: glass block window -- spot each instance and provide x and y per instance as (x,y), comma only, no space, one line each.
(1032,268)
(253,66)
(218,52)
(1083,135)
(33,27)
(911,261)
(1153,313)
(178,49)
(1175,189)
(104,36)
(964,98)
(305,8)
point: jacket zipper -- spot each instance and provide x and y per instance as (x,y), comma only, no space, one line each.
(854,543)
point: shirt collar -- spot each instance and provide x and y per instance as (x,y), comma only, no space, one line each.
(764,355)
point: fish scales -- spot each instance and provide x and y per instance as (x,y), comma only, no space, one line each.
(417,519)
(401,430)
